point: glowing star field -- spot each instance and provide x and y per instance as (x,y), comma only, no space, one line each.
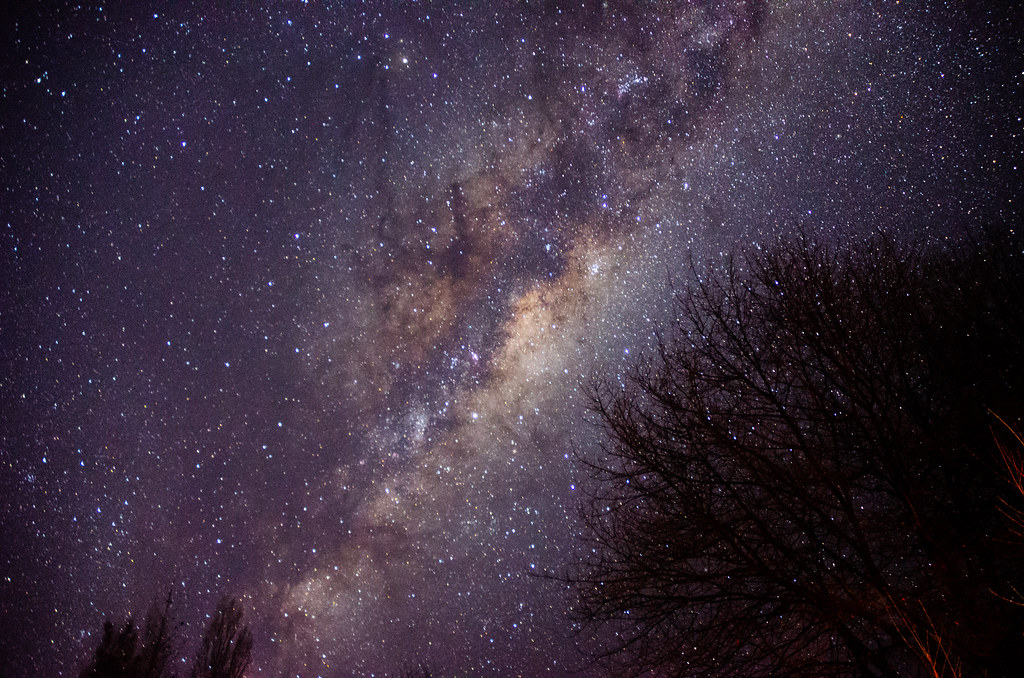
(299,298)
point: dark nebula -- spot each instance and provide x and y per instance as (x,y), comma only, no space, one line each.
(297,300)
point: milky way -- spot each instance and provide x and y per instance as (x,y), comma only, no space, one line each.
(298,300)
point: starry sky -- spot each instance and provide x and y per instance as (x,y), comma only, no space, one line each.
(297,298)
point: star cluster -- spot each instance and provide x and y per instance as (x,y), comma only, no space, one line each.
(298,300)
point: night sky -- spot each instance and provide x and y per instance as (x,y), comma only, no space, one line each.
(297,299)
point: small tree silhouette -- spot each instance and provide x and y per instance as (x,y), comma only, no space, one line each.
(159,640)
(115,656)
(226,648)
(120,656)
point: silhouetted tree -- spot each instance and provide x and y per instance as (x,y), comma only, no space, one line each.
(159,642)
(798,481)
(226,648)
(115,656)
(120,656)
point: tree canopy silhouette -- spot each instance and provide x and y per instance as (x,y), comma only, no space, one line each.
(119,654)
(226,648)
(224,652)
(801,480)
